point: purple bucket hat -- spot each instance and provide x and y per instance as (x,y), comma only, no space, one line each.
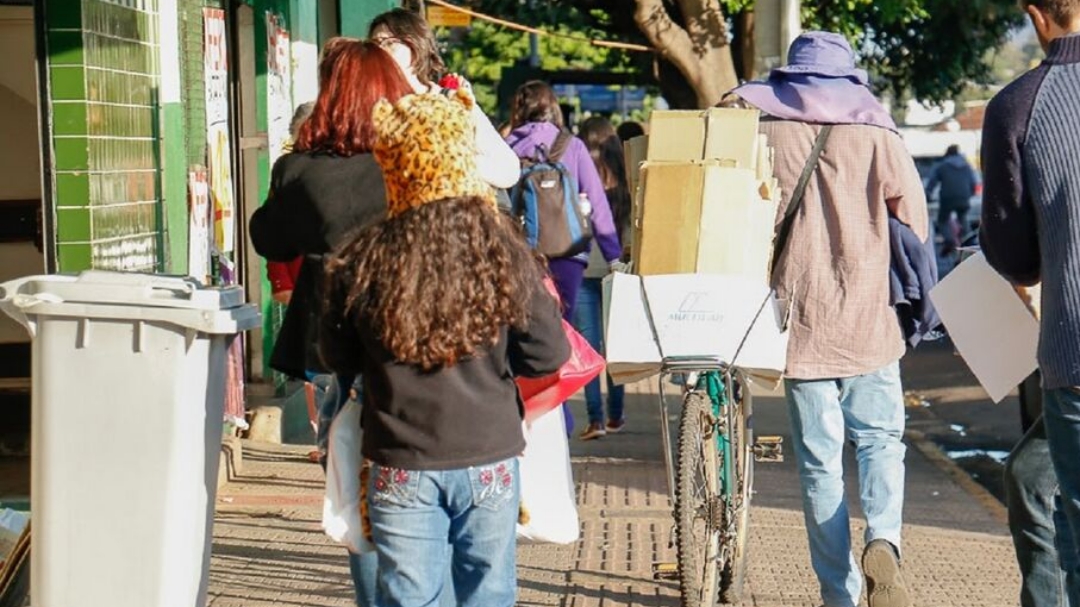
(823,54)
(821,86)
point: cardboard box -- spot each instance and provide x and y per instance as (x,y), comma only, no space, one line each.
(732,134)
(676,136)
(735,318)
(635,151)
(628,330)
(669,216)
(713,134)
(736,230)
(702,217)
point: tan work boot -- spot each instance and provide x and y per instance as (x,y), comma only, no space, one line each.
(885,586)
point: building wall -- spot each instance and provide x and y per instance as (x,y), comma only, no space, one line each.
(103,82)
(356,16)
(19,164)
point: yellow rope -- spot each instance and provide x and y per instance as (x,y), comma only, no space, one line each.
(532,30)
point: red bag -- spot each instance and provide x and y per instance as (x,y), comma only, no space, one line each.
(542,394)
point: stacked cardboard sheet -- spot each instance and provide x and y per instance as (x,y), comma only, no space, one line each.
(705,196)
(705,205)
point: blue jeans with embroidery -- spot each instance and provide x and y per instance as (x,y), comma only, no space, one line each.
(416,514)
(588,319)
(868,411)
(1045,553)
(1061,417)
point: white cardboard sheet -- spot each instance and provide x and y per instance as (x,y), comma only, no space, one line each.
(693,315)
(990,326)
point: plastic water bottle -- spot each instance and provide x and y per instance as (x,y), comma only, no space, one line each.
(584,204)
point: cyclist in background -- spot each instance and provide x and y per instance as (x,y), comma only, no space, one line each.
(956,183)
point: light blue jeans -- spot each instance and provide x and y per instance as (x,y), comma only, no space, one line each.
(868,411)
(588,320)
(1061,417)
(416,514)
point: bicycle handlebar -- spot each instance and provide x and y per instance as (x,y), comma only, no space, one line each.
(687,364)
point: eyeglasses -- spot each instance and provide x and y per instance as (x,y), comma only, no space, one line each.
(387,41)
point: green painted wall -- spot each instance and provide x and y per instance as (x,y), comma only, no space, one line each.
(356,16)
(106,133)
(174,189)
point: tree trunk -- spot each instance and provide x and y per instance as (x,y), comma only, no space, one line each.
(744,51)
(700,50)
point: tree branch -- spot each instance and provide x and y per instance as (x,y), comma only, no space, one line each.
(669,40)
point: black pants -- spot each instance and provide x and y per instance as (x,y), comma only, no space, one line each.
(948,206)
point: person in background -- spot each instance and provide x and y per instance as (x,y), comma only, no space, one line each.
(956,183)
(408,38)
(1030,233)
(629,129)
(843,365)
(328,186)
(607,155)
(536,121)
(282,275)
(438,308)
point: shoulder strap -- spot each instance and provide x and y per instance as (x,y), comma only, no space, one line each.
(784,231)
(559,146)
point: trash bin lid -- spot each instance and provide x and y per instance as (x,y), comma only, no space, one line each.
(97,294)
(127,288)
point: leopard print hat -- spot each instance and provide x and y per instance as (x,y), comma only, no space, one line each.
(426,146)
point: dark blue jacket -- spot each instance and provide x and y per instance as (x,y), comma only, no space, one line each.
(912,273)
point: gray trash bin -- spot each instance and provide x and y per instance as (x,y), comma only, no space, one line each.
(128,396)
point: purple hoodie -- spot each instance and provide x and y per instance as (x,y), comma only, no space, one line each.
(524,139)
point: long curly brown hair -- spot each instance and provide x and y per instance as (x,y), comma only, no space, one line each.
(437,283)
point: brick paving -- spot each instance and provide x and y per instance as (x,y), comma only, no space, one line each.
(268,549)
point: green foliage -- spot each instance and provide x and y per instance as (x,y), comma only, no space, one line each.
(481,51)
(932,50)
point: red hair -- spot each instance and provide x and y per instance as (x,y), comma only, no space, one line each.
(356,74)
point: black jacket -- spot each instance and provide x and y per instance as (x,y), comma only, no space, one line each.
(468,414)
(315,200)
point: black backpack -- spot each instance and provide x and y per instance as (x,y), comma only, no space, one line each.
(545,200)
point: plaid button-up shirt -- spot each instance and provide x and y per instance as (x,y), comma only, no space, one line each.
(835,268)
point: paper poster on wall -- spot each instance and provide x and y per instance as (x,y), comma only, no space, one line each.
(199,225)
(278,86)
(219,157)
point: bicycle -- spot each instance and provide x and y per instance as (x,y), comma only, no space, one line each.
(710,478)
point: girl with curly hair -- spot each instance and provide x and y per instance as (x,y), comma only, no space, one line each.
(438,309)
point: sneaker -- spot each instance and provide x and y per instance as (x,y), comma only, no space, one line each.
(885,586)
(593,430)
(614,426)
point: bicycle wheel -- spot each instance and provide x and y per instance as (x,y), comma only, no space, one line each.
(733,573)
(697,505)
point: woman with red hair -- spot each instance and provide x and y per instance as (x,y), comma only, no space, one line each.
(326,187)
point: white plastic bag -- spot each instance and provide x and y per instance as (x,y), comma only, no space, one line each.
(341,507)
(547,483)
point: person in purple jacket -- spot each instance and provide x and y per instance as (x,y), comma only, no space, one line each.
(536,120)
